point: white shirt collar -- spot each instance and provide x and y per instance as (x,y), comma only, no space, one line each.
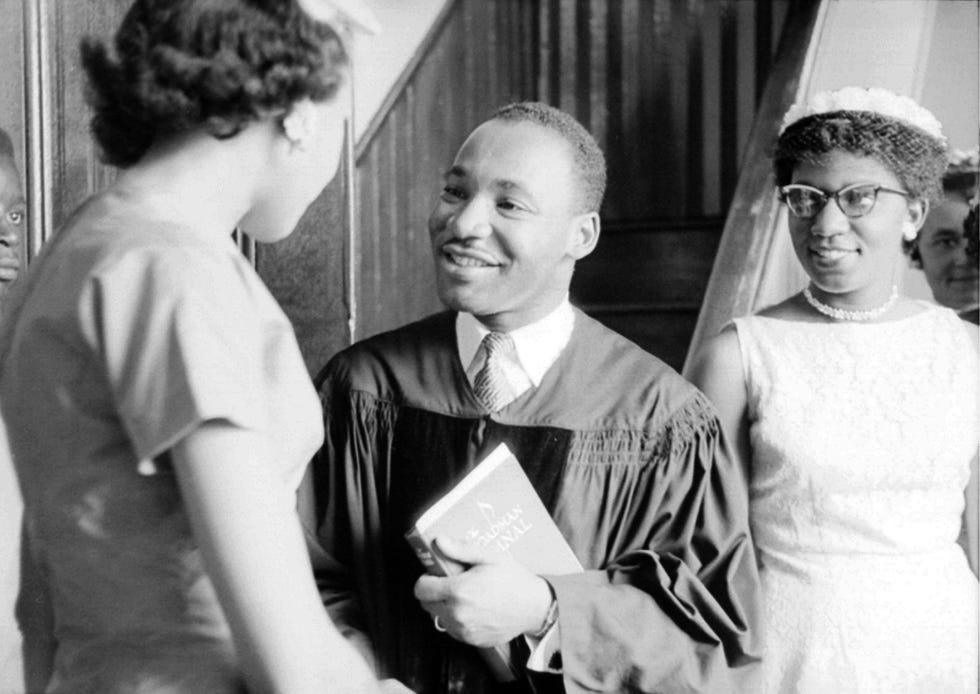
(537,345)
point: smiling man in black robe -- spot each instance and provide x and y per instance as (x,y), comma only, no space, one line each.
(628,458)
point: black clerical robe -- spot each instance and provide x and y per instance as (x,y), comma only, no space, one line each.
(628,458)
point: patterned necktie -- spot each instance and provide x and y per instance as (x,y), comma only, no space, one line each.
(490,385)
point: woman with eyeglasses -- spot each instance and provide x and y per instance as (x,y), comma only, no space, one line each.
(855,409)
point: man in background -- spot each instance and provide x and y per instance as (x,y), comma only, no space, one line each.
(13,215)
(941,249)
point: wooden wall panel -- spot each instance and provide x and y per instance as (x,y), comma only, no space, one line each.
(76,169)
(669,327)
(669,89)
(12,75)
(480,57)
(657,276)
(48,117)
(306,274)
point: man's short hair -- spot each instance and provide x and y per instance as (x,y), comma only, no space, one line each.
(588,162)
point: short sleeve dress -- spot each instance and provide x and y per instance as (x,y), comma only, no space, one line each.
(862,436)
(132,333)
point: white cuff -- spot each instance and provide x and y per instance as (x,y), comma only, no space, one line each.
(543,651)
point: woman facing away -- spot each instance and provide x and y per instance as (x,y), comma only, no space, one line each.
(856,410)
(159,412)
(940,249)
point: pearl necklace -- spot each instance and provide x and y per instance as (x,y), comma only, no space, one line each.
(844,314)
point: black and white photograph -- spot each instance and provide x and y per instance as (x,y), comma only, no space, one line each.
(489,347)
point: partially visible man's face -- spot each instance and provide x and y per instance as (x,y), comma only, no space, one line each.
(953,277)
(505,225)
(13,222)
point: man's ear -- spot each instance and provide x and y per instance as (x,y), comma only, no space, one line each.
(585,235)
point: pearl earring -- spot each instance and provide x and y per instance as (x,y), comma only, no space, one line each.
(298,123)
(909,232)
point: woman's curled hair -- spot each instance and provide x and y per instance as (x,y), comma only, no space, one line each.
(182,64)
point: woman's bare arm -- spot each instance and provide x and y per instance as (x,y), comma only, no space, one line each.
(717,371)
(245,522)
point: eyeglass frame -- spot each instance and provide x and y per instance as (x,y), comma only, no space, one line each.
(836,197)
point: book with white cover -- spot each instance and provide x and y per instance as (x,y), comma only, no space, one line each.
(494,505)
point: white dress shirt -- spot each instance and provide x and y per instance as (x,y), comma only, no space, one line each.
(536,347)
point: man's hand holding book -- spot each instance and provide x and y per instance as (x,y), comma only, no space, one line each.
(493,601)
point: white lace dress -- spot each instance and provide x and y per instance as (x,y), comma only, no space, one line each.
(862,435)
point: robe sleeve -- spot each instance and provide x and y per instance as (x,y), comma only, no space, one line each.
(678,610)
(335,517)
(333,580)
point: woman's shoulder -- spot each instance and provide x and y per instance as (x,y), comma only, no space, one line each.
(973,332)
(723,352)
(718,359)
(141,266)
(153,252)
(946,320)
(961,324)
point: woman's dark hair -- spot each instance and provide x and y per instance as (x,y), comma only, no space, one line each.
(181,64)
(916,158)
(962,183)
